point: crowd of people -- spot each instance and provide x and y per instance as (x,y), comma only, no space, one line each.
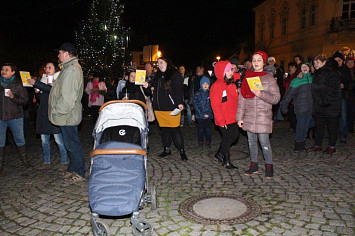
(310,95)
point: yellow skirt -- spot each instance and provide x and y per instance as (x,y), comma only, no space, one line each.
(166,120)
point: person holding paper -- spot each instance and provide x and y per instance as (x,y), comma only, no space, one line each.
(133,91)
(255,113)
(43,126)
(224,102)
(12,97)
(96,90)
(168,96)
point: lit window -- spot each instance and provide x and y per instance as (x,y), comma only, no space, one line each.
(348,9)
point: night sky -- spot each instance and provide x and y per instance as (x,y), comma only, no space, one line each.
(188,32)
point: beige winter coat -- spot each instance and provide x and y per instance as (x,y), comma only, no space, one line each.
(256,113)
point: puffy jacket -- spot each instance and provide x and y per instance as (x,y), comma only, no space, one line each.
(256,113)
(300,91)
(202,104)
(224,98)
(64,104)
(326,91)
(11,108)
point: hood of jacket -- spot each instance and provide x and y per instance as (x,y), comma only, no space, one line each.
(219,69)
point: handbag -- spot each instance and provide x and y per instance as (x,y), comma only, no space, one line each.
(150,111)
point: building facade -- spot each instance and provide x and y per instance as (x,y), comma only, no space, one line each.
(285,28)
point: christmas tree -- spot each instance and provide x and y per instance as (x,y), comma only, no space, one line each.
(102,38)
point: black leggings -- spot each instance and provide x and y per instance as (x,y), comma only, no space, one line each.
(168,134)
(229,135)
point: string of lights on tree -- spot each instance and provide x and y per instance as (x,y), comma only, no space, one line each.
(101,38)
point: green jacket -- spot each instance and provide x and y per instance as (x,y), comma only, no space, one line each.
(64,104)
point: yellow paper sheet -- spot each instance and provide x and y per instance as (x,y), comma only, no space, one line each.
(24,76)
(255,83)
(140,77)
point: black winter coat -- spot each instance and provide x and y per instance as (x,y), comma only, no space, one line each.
(326,91)
(11,108)
(345,79)
(43,125)
(164,100)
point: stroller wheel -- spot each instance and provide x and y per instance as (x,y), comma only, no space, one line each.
(143,229)
(153,193)
(101,230)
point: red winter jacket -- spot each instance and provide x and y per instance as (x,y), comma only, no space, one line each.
(224,97)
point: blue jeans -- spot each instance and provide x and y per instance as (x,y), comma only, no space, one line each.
(46,146)
(188,113)
(304,123)
(265,147)
(75,151)
(16,127)
(343,123)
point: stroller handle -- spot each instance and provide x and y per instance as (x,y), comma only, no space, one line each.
(142,104)
(131,151)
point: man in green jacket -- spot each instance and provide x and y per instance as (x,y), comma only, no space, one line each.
(65,109)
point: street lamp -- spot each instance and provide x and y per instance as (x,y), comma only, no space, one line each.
(218,58)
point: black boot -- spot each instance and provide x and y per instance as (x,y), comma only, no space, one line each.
(166,152)
(183,155)
(253,169)
(297,147)
(23,155)
(2,154)
(269,171)
(227,163)
(303,145)
(219,156)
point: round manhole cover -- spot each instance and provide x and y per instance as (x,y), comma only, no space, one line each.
(219,209)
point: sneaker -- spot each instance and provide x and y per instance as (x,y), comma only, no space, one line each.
(269,171)
(75,178)
(253,169)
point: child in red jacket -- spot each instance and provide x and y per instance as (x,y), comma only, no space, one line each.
(224,102)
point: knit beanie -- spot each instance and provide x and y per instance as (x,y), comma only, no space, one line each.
(262,54)
(338,54)
(203,80)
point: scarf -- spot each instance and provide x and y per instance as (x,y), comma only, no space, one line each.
(245,90)
(5,82)
(95,95)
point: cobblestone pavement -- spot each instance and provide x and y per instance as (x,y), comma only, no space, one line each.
(309,195)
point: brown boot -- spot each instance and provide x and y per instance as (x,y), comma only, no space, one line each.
(23,155)
(2,154)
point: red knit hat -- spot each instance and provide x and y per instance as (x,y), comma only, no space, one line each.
(263,55)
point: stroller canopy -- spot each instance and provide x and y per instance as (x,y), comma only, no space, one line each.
(117,114)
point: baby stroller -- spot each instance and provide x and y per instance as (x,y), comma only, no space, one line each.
(118,183)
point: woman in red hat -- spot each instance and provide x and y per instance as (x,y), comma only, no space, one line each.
(255,112)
